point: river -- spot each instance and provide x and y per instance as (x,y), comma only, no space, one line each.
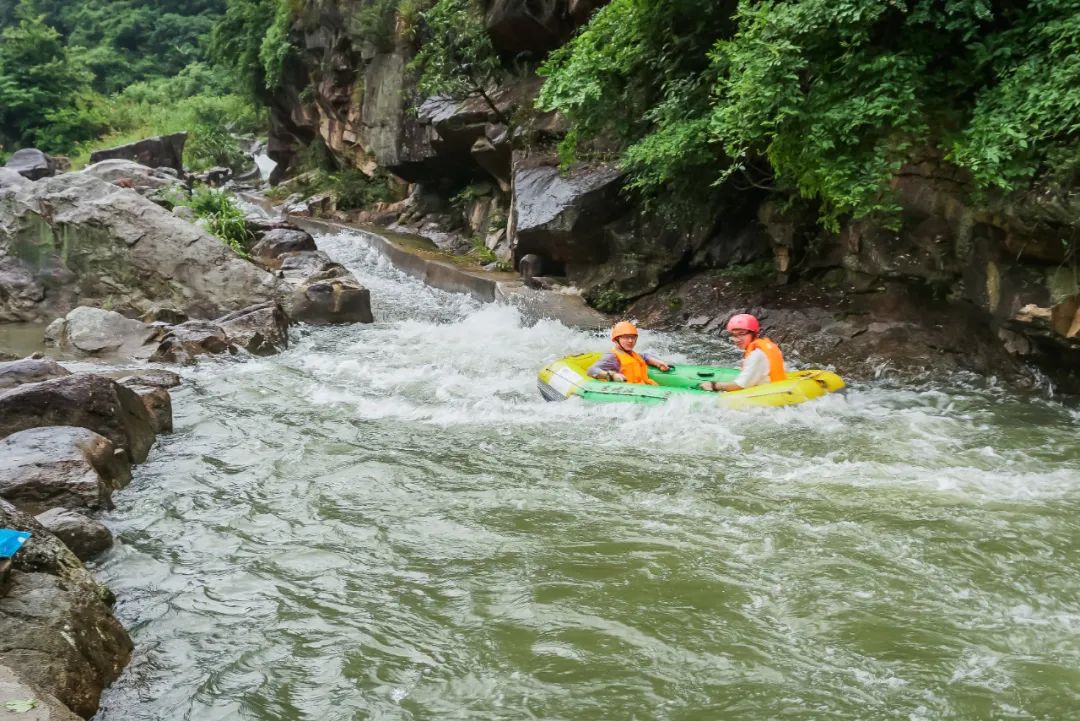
(387,522)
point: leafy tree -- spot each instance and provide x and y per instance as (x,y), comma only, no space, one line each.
(41,84)
(456,57)
(822,98)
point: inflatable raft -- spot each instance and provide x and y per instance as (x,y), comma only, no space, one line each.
(568,377)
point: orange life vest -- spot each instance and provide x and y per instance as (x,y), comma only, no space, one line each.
(772,352)
(633,366)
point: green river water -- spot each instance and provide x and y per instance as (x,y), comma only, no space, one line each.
(387,522)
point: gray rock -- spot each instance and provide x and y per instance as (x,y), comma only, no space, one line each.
(90,243)
(275,243)
(42,468)
(30,370)
(561,216)
(99,332)
(22,288)
(14,689)
(129,174)
(298,265)
(337,300)
(161,151)
(55,624)
(84,400)
(528,25)
(169,316)
(85,537)
(10,180)
(154,377)
(189,340)
(31,163)
(261,329)
(158,404)
(184,213)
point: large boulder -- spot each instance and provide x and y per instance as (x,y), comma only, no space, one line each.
(84,400)
(10,180)
(334,300)
(31,164)
(528,25)
(261,329)
(129,174)
(55,625)
(29,370)
(561,216)
(275,243)
(99,332)
(42,468)
(185,342)
(85,537)
(76,240)
(14,690)
(163,151)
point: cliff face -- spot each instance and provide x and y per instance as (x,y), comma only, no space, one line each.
(1008,273)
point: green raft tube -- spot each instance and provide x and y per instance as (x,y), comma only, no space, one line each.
(568,377)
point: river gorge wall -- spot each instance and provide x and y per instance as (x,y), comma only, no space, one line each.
(989,286)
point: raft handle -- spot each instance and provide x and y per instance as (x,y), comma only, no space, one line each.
(705,374)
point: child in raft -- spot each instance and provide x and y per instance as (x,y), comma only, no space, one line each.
(621,364)
(762,361)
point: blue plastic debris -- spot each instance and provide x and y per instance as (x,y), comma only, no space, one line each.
(11,541)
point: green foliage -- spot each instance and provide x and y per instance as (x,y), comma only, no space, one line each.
(275,45)
(352,189)
(1031,115)
(237,43)
(130,40)
(221,216)
(607,300)
(41,84)
(824,99)
(456,57)
(479,250)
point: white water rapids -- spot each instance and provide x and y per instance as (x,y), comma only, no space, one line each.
(388,522)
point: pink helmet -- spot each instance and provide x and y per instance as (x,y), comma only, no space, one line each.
(744,321)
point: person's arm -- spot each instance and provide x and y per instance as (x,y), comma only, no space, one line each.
(655,362)
(755,370)
(606,369)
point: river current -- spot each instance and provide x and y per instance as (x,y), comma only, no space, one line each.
(388,522)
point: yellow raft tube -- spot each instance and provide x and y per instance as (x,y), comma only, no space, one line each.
(568,377)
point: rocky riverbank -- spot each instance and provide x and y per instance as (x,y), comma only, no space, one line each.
(119,277)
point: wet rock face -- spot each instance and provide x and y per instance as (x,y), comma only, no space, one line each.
(82,400)
(54,626)
(76,240)
(42,468)
(163,151)
(85,537)
(529,25)
(561,217)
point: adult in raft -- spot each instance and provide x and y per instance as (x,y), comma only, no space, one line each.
(762,361)
(621,364)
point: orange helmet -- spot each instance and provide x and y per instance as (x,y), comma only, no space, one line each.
(623,328)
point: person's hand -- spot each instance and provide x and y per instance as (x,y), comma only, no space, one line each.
(663,366)
(618,377)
